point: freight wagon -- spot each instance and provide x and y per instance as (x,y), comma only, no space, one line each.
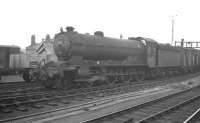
(12,61)
(20,62)
(5,52)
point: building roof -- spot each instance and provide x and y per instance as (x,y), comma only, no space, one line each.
(35,46)
(10,46)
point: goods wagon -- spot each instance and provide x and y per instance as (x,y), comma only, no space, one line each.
(19,61)
(23,61)
(192,58)
(5,52)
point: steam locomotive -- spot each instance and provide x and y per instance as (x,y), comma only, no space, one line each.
(96,59)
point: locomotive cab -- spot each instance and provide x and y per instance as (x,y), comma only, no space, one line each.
(151,51)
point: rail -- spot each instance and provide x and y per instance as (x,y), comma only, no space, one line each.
(193,117)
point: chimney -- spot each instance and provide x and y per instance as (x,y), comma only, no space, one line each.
(61,30)
(99,33)
(121,36)
(48,38)
(33,40)
(70,29)
(182,44)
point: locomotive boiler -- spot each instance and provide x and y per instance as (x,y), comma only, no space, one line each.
(70,45)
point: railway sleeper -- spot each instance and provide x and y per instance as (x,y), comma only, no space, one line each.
(8,100)
(65,101)
(37,106)
(40,100)
(123,119)
(20,105)
(11,99)
(15,103)
(21,108)
(31,102)
(6,109)
(52,104)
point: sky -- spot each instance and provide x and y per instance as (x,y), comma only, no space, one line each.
(19,19)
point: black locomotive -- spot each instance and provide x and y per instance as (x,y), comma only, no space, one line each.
(96,59)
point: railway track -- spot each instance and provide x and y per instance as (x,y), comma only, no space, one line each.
(113,109)
(175,114)
(83,106)
(38,100)
(26,102)
(22,98)
(174,109)
(18,87)
(194,118)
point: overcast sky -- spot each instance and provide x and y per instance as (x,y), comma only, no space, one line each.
(147,18)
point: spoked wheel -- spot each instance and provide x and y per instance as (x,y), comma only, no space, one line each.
(26,76)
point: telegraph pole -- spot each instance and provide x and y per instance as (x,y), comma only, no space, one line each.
(173,20)
(172,30)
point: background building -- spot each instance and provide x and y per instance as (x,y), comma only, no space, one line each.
(41,53)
